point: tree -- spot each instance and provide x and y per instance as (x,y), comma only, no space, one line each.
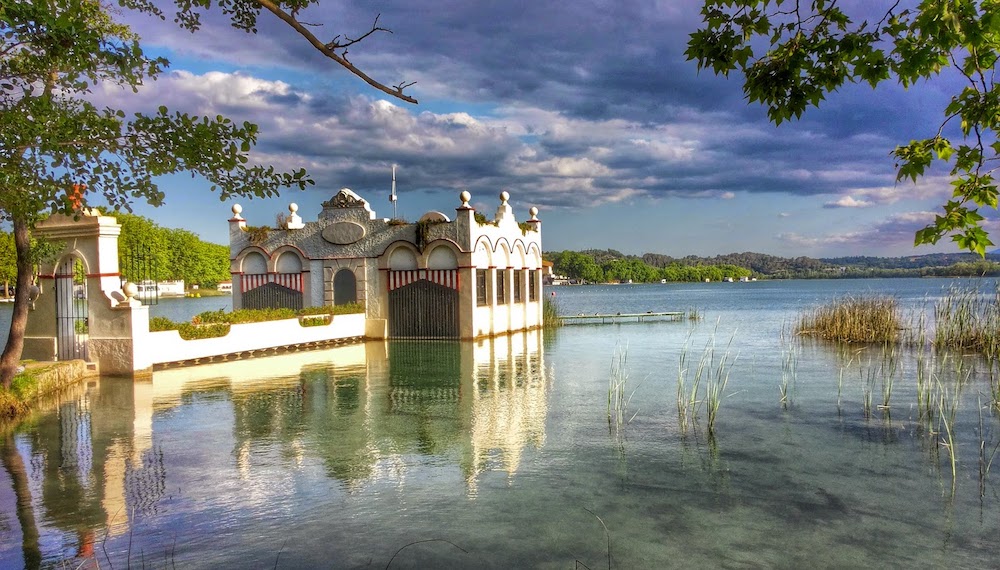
(53,52)
(792,53)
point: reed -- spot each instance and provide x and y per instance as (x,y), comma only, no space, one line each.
(887,371)
(617,382)
(789,364)
(716,386)
(968,319)
(985,458)
(854,319)
(712,372)
(550,314)
(946,401)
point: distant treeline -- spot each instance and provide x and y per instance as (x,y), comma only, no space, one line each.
(606,267)
(601,266)
(166,254)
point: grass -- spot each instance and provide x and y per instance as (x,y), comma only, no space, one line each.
(854,319)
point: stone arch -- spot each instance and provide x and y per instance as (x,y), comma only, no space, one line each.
(288,262)
(519,258)
(502,257)
(402,258)
(534,257)
(253,262)
(442,257)
(345,287)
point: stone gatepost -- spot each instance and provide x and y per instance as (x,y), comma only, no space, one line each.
(100,323)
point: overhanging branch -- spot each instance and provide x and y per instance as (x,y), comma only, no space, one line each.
(328,49)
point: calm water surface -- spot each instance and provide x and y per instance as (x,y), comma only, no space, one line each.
(499,454)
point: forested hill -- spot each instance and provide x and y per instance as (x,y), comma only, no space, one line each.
(611,265)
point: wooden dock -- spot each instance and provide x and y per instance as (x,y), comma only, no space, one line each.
(615,318)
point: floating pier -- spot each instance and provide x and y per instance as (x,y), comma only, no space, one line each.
(614,318)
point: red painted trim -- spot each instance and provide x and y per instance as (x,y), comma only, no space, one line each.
(104,275)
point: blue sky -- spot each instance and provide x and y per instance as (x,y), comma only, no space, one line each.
(587,110)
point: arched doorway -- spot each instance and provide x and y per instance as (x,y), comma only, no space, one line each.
(345,287)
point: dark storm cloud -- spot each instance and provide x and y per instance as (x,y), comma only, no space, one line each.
(589,102)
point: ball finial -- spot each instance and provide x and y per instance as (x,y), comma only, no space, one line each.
(130,289)
(533,211)
(293,207)
(504,196)
(465,196)
(237,210)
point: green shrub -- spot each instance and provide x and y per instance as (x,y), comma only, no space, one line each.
(162,324)
(189,331)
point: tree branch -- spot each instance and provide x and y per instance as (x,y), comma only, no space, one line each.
(328,51)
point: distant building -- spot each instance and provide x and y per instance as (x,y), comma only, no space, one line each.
(437,278)
(225,287)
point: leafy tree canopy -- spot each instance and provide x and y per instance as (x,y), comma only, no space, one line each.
(792,53)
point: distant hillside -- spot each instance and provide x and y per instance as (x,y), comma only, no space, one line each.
(595,265)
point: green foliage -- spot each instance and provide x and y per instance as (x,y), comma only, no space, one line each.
(257,234)
(791,58)
(162,324)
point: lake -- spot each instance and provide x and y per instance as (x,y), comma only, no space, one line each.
(500,454)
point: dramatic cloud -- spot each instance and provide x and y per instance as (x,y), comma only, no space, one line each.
(569,106)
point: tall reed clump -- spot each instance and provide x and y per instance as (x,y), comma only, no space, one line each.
(854,319)
(550,314)
(968,319)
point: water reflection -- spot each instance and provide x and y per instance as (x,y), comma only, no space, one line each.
(365,414)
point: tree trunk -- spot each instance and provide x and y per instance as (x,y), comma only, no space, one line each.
(14,465)
(19,319)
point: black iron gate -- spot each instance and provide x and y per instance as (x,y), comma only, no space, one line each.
(139,267)
(72,321)
(423,310)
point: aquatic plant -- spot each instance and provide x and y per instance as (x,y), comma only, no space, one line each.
(713,373)
(854,319)
(789,363)
(550,314)
(617,382)
(968,319)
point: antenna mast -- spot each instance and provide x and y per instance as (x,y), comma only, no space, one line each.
(392,196)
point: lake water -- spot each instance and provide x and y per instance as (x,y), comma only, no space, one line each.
(500,454)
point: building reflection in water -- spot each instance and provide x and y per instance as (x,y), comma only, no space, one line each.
(87,465)
(365,414)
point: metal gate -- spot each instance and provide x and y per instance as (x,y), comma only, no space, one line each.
(72,321)
(423,304)
(139,267)
(272,296)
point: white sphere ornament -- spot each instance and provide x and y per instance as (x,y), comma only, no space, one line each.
(465,196)
(293,207)
(237,210)
(533,211)
(130,290)
(504,196)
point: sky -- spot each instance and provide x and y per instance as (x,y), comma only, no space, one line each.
(587,110)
